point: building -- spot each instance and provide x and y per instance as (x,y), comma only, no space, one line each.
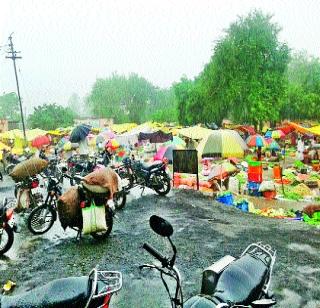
(94,122)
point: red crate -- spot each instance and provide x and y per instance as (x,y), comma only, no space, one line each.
(255,177)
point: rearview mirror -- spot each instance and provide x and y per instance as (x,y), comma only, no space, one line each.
(160,226)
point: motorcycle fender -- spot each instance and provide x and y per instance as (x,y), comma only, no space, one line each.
(211,274)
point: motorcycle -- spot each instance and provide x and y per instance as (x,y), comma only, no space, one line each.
(92,291)
(229,282)
(42,218)
(29,184)
(7,227)
(138,174)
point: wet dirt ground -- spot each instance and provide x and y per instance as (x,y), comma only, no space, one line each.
(204,232)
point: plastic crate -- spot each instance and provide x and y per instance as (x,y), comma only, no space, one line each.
(255,177)
(253,185)
(226,199)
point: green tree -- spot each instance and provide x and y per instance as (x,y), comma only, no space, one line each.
(303,90)
(9,107)
(131,98)
(51,116)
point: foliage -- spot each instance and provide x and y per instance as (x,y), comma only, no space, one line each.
(303,90)
(245,78)
(9,107)
(51,116)
(131,98)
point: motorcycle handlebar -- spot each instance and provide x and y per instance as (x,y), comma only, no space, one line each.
(155,253)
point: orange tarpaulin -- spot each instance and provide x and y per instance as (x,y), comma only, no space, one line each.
(305,130)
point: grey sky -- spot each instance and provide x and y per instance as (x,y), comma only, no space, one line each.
(67,44)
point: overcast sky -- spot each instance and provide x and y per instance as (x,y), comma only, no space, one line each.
(67,44)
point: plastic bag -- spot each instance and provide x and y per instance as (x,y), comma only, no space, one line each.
(94,219)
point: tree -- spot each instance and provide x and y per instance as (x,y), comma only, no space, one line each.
(51,116)
(303,90)
(9,107)
(131,98)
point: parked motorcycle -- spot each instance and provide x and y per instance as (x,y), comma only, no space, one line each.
(139,174)
(7,227)
(29,184)
(92,291)
(229,282)
(42,218)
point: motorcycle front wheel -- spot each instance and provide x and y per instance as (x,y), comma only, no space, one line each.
(161,184)
(104,234)
(41,219)
(6,239)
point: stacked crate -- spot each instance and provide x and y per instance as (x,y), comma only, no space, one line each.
(254,177)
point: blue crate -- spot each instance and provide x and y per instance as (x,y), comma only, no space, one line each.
(226,199)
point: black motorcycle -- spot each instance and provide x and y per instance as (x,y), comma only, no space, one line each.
(229,282)
(92,291)
(138,174)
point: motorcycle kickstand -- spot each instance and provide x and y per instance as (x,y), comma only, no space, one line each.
(79,236)
(143,188)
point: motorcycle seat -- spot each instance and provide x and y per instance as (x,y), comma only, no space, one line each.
(151,167)
(66,292)
(241,282)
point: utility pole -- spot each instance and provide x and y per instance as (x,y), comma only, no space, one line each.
(12,54)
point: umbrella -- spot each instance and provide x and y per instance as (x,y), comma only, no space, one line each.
(62,142)
(275,134)
(165,152)
(113,144)
(80,132)
(272,144)
(222,142)
(256,141)
(107,134)
(40,141)
(222,171)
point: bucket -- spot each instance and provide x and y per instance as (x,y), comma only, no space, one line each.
(277,172)
(270,194)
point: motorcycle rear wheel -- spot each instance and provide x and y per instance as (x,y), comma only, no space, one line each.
(120,200)
(40,225)
(104,234)
(163,184)
(6,239)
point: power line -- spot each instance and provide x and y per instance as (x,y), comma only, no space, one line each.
(12,54)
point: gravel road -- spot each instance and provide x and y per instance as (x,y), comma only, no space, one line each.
(204,232)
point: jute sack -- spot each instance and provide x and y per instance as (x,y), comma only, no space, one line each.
(29,167)
(94,219)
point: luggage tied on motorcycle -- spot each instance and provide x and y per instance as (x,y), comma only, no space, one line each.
(94,218)
(103,178)
(27,168)
(99,182)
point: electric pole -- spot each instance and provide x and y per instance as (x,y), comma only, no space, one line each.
(12,54)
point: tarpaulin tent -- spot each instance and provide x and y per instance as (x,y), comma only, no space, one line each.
(315,130)
(156,137)
(194,132)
